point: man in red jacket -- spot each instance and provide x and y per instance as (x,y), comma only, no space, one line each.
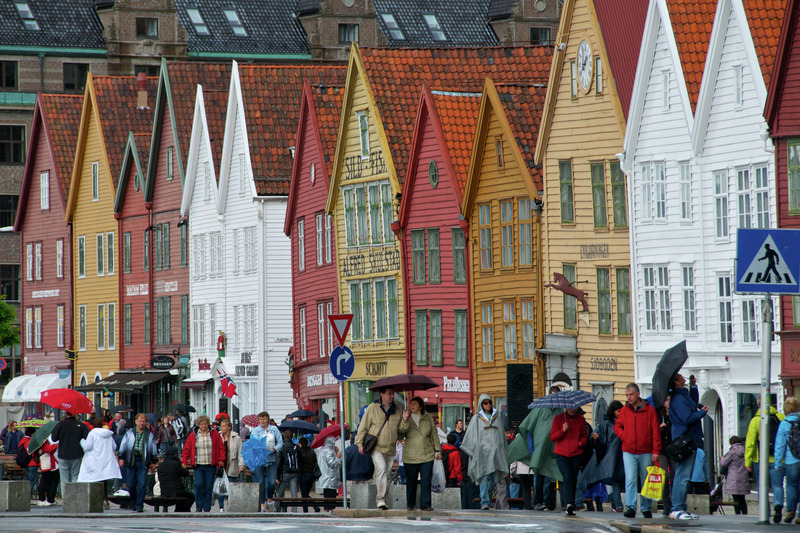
(638,428)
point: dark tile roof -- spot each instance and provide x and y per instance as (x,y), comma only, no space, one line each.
(71,24)
(271,29)
(307,6)
(692,21)
(142,141)
(457,114)
(271,97)
(328,108)
(500,8)
(523,106)
(396,77)
(463,22)
(62,114)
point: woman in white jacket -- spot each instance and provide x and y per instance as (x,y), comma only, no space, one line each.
(99,460)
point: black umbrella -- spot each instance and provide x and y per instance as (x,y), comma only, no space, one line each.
(152,418)
(121,409)
(185,408)
(301,413)
(299,425)
(669,365)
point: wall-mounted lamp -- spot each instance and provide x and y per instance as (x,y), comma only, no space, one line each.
(183,222)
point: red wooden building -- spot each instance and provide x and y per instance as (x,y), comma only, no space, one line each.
(435,250)
(314,289)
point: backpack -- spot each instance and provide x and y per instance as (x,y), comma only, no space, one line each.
(291,463)
(23,458)
(774,422)
(180,428)
(794,439)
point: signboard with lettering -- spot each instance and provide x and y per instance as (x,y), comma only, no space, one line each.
(604,364)
(162,362)
(372,261)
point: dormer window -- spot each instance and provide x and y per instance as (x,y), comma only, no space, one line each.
(394,28)
(436,29)
(26,15)
(235,22)
(200,27)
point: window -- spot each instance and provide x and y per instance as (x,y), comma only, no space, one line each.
(498,144)
(355,309)
(38,261)
(10,282)
(82,327)
(37,319)
(250,249)
(761,208)
(146,250)
(301,245)
(101,252)
(44,190)
(386,204)
(665,90)
(321,320)
(163,335)
(199,25)
(689,312)
(459,256)
(112,326)
(507,233)
(573,79)
(126,252)
(750,321)
(236,260)
(215,250)
(206,182)
(81,256)
(485,231)
(95,181)
(565,185)
(146,28)
(434,262)
(656,295)
(75,76)
(328,238)
(198,325)
(436,29)
(318,234)
(686,192)
(570,302)
(29,261)
(418,256)
(184,250)
(349,217)
(540,36)
(60,258)
(487,333)
(8,75)
(127,311)
(461,332)
(436,337)
(599,195)
(303,346)
(721,204)
(329,311)
(603,301)
(510,330)
(753,197)
(348,33)
(165,246)
(433,174)
(212,319)
(391,307)
(169,162)
(244,182)
(738,80)
(8,209)
(725,308)
(793,170)
(421,337)
(148,70)
(185,319)
(110,252)
(654,191)
(26,15)
(745,204)
(598,75)
(363,133)
(12,145)
(366,308)
(394,28)
(235,22)
(147,323)
(101,326)
(29,327)
(375,214)
(525,232)
(528,336)
(60,326)
(361,215)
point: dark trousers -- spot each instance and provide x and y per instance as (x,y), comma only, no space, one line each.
(569,467)
(469,493)
(525,484)
(48,485)
(542,495)
(740,504)
(203,486)
(306,482)
(424,471)
(186,505)
(329,493)
(136,477)
(31,473)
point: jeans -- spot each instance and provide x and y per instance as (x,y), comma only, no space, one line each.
(525,484)
(424,471)
(541,492)
(31,473)
(680,483)
(69,469)
(614,497)
(291,481)
(203,486)
(383,467)
(136,476)
(265,476)
(792,480)
(306,482)
(486,484)
(569,467)
(221,499)
(469,492)
(635,472)
(775,482)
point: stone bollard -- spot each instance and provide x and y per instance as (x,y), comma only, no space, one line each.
(361,495)
(243,498)
(449,499)
(698,504)
(80,498)
(15,496)
(396,497)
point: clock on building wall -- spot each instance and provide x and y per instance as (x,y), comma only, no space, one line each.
(540,5)
(585,64)
(348,3)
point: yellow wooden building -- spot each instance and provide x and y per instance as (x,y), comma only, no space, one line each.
(113,106)
(585,219)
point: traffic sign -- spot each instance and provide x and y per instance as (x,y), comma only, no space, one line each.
(340,325)
(768,261)
(3,364)
(343,363)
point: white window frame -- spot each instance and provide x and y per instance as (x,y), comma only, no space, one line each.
(206,182)
(110,253)
(725,306)
(301,244)
(111,324)
(29,261)
(751,320)
(243,185)
(321,328)
(658,312)
(654,191)
(761,209)
(665,90)
(217,260)
(38,266)
(82,327)
(318,233)
(29,328)
(689,298)
(721,230)
(44,190)
(60,258)
(236,258)
(212,324)
(363,133)
(95,181)
(686,191)
(82,256)
(738,86)
(303,339)
(170,165)
(510,330)
(487,332)
(328,238)
(198,325)
(101,326)
(101,253)
(744,197)
(37,325)
(60,326)
(328,312)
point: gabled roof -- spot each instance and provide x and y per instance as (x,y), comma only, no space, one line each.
(464,22)
(211,118)
(692,21)
(780,68)
(272,30)
(73,24)
(137,149)
(500,8)
(57,116)
(764,18)
(328,108)
(395,77)
(216,103)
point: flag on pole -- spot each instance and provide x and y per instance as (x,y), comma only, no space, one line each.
(225,381)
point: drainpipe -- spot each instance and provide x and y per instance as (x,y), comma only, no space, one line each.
(41,72)
(398,232)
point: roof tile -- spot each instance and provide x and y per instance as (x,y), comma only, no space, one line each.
(692,21)
(63,117)
(72,24)
(457,114)
(765,18)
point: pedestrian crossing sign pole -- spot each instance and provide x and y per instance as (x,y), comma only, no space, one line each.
(767,262)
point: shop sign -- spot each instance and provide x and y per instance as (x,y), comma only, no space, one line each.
(455,384)
(374,261)
(44,294)
(604,364)
(594,251)
(162,362)
(137,289)
(246,370)
(376,369)
(317,380)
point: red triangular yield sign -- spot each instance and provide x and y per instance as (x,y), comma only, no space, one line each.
(341,325)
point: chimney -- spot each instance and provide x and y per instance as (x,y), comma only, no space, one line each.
(141,95)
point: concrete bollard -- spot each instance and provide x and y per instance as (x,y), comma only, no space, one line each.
(80,498)
(243,498)
(15,496)
(698,504)
(362,495)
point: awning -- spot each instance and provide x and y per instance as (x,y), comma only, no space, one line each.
(198,381)
(125,381)
(13,390)
(32,390)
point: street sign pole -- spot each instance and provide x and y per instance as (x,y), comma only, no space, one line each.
(763,447)
(342,363)
(344,463)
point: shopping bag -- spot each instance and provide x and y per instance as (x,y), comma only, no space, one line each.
(438,479)
(654,484)
(221,487)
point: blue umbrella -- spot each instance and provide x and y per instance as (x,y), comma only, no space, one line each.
(254,453)
(565,399)
(299,425)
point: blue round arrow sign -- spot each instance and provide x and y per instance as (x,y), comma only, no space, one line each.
(343,363)
(3,364)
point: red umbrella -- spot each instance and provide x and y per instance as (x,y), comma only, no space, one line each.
(331,431)
(405,382)
(249,420)
(68,400)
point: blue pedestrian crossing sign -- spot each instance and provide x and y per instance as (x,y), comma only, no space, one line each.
(343,363)
(768,261)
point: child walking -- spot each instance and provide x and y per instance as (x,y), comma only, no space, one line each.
(737,483)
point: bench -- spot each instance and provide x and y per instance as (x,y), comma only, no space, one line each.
(156,502)
(285,503)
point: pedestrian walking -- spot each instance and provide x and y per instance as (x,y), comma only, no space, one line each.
(233,455)
(204,451)
(49,474)
(308,467)
(608,452)
(165,435)
(330,466)
(100,461)
(568,432)
(288,467)
(686,420)
(68,433)
(138,454)
(752,461)
(787,456)
(737,478)
(485,443)
(266,474)
(419,451)
(12,438)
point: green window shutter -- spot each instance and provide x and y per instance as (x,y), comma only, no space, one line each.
(421,337)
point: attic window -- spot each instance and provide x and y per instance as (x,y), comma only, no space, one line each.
(394,28)
(435,27)
(26,15)
(199,24)
(235,22)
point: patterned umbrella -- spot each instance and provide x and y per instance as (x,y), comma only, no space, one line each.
(32,423)
(250,421)
(565,399)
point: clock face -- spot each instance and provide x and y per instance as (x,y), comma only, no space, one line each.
(585,64)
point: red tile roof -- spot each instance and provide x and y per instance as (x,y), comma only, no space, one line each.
(622,41)
(457,114)
(62,114)
(765,18)
(328,108)
(692,21)
(271,97)
(523,106)
(142,141)
(396,77)
(116,105)
(216,110)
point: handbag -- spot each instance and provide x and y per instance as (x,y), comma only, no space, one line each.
(654,483)
(317,472)
(681,448)
(371,441)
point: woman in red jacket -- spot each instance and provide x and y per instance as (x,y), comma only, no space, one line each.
(568,432)
(205,451)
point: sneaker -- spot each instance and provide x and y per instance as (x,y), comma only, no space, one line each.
(647,514)
(382,506)
(221,509)
(484,507)
(539,507)
(629,513)
(788,517)
(776,518)
(570,510)
(106,505)
(122,493)
(680,515)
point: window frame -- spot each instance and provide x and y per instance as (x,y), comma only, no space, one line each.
(570,303)
(434,256)
(418,265)
(566,191)
(485,235)
(44,190)
(5,66)
(507,234)
(599,206)
(510,330)
(13,139)
(435,344)
(421,337)
(144,28)
(604,313)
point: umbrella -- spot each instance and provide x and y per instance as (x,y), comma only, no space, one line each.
(185,408)
(331,431)
(250,420)
(121,409)
(301,413)
(565,399)
(32,423)
(405,382)
(41,435)
(667,367)
(299,425)
(254,453)
(152,418)
(68,400)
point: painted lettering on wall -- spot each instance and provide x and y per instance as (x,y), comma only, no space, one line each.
(317,380)
(794,354)
(376,369)
(374,261)
(604,364)
(246,370)
(594,251)
(455,384)
(170,286)
(355,166)
(137,289)
(44,294)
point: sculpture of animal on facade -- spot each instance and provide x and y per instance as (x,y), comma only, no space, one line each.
(562,284)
